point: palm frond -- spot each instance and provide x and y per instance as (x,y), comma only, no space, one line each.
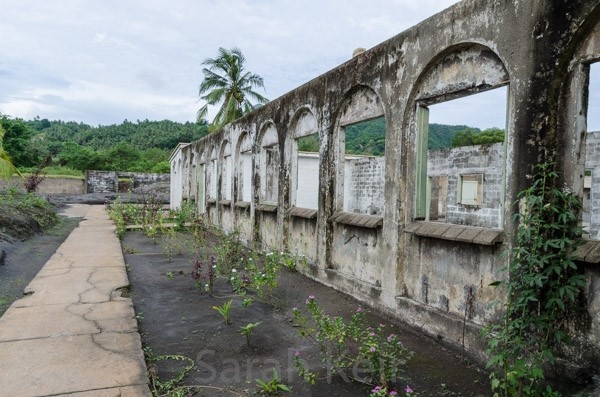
(226,81)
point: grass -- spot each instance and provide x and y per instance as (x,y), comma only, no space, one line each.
(54,172)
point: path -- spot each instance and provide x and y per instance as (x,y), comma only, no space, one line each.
(74,334)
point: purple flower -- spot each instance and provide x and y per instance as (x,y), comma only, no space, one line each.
(311,297)
(372,349)
(359,309)
(376,389)
(296,353)
(393,393)
(390,337)
(371,333)
(408,389)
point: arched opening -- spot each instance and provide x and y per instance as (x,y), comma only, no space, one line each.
(461,113)
(305,161)
(360,165)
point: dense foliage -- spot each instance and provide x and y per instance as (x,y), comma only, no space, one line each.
(140,146)
(471,136)
(7,168)
(543,287)
(368,137)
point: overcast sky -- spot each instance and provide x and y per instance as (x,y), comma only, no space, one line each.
(101,62)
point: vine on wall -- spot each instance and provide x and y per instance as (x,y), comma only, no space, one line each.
(543,288)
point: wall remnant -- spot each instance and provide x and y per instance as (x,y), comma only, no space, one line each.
(401,251)
(109,181)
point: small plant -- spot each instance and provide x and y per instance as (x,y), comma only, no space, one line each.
(224,311)
(204,280)
(246,330)
(303,371)
(272,387)
(170,275)
(352,344)
(184,215)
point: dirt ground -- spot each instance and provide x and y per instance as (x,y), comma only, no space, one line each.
(24,259)
(177,319)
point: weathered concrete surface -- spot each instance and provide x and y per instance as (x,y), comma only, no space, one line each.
(74,334)
(436,278)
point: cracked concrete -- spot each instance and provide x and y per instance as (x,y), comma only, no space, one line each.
(73,334)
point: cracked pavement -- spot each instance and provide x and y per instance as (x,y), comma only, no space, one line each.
(73,334)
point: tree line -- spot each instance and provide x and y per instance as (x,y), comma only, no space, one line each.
(142,146)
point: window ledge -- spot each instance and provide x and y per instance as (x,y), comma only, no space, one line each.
(267,207)
(303,213)
(225,203)
(242,204)
(588,252)
(360,220)
(446,231)
(211,201)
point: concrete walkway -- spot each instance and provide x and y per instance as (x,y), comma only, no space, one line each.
(74,333)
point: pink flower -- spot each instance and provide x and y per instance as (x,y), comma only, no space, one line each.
(371,333)
(372,349)
(393,393)
(376,389)
(408,389)
(359,309)
(296,353)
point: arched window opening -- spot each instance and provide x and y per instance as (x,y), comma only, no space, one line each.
(269,166)
(305,162)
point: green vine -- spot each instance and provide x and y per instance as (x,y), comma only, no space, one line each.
(543,289)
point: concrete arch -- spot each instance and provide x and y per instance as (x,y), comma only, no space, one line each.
(303,123)
(267,134)
(459,70)
(360,103)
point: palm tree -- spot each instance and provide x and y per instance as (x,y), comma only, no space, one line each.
(7,168)
(226,81)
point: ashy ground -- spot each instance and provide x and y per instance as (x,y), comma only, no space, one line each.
(177,319)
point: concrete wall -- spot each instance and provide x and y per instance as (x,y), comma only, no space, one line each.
(117,181)
(50,185)
(364,184)
(485,160)
(427,273)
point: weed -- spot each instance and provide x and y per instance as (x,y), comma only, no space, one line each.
(352,344)
(247,329)
(543,288)
(131,250)
(204,279)
(169,387)
(224,311)
(170,275)
(272,387)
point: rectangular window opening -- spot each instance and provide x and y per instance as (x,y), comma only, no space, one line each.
(591,181)
(271,173)
(459,146)
(364,167)
(306,172)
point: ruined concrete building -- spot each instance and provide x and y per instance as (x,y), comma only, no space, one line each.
(413,234)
